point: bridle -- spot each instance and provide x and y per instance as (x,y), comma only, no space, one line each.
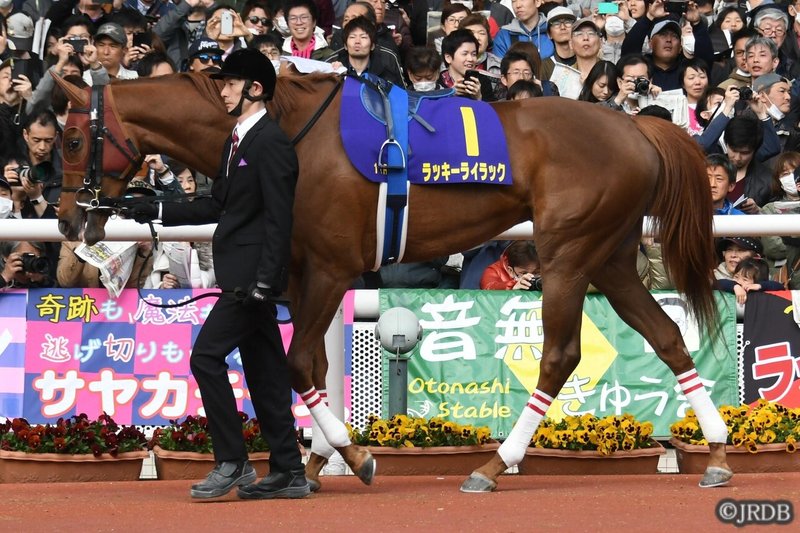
(88,196)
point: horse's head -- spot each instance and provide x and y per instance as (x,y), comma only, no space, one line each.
(99,160)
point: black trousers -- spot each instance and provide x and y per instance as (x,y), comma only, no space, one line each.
(254,330)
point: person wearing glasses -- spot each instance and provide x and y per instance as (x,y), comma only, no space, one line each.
(773,24)
(305,39)
(203,53)
(256,17)
(518,269)
(559,28)
(452,15)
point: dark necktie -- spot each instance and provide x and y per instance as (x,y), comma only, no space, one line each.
(234,146)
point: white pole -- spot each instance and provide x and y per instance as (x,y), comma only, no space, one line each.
(128,230)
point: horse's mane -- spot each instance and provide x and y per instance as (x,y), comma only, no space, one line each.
(208,88)
(284,100)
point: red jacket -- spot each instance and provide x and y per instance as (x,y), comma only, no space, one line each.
(497,277)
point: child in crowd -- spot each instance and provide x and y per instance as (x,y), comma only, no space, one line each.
(751,274)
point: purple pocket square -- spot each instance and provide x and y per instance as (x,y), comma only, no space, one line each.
(242,163)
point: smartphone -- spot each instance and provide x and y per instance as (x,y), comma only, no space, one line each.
(677,7)
(78,44)
(21,67)
(607,8)
(471,74)
(141,38)
(226,23)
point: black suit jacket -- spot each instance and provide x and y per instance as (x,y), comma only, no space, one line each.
(253,208)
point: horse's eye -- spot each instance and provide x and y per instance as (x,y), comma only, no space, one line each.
(74,145)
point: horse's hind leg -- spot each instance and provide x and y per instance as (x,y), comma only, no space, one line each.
(562,307)
(636,306)
(319,298)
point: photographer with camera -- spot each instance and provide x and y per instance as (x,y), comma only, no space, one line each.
(39,168)
(24,265)
(634,81)
(518,268)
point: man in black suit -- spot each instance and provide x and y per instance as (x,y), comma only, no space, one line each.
(251,200)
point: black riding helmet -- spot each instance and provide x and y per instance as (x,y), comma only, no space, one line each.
(251,65)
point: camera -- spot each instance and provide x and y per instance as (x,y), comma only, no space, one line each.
(641,86)
(536,283)
(33,264)
(676,7)
(746,93)
(78,45)
(35,174)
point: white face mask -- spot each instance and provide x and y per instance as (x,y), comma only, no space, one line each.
(788,184)
(281,25)
(614,26)
(797,17)
(709,19)
(6,207)
(276,64)
(5,3)
(424,86)
(688,43)
(774,112)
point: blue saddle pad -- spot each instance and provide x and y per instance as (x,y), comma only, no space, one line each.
(467,146)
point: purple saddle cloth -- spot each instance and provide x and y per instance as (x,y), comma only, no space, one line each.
(467,146)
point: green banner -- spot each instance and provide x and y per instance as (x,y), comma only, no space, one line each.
(478,360)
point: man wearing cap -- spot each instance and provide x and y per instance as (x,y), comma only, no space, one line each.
(559,28)
(529,25)
(111,44)
(204,53)
(665,41)
(586,43)
(775,91)
(251,201)
(20,29)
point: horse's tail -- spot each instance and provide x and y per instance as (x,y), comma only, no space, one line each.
(682,205)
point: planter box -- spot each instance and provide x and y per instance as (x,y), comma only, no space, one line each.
(693,459)
(438,460)
(547,461)
(20,467)
(192,465)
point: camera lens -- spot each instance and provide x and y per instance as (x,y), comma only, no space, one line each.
(34,264)
(745,93)
(641,86)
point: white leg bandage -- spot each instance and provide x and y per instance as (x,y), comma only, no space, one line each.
(714,428)
(332,428)
(513,449)
(319,445)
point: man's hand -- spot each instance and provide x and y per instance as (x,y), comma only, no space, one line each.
(260,293)
(141,212)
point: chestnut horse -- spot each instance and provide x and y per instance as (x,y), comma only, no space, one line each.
(585,174)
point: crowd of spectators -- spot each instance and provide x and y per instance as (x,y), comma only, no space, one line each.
(725,71)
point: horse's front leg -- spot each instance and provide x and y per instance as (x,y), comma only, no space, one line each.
(318,299)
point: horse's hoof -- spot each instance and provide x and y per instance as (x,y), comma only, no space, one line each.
(478,483)
(367,470)
(314,484)
(715,477)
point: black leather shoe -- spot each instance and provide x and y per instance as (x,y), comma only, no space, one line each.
(277,485)
(223,478)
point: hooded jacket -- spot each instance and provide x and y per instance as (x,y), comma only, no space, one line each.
(515,31)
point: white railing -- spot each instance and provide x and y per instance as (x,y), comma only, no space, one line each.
(128,230)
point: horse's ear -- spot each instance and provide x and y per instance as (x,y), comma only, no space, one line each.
(77,96)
